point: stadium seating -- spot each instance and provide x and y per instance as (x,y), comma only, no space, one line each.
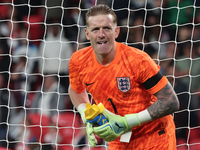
(68,124)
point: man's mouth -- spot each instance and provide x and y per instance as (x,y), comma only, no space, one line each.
(101,43)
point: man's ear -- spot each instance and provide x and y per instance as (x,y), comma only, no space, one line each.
(117,31)
(87,34)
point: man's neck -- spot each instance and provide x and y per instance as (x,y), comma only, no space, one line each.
(106,59)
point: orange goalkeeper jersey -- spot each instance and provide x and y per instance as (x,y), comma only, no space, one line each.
(125,86)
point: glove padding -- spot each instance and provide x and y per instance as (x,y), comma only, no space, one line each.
(116,126)
(91,136)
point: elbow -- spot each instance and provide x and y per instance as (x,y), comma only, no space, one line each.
(175,105)
(69,89)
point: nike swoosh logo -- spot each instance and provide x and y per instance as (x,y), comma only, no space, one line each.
(87,84)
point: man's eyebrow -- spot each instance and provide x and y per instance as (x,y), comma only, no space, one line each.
(95,28)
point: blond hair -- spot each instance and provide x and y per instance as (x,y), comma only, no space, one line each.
(100,9)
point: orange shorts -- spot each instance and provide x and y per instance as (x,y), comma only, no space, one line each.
(168,144)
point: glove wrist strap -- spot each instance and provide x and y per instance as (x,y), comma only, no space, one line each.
(144,116)
(138,119)
(132,120)
(81,109)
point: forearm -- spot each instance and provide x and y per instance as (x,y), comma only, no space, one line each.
(166,104)
(78,98)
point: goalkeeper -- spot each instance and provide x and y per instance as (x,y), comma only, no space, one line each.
(138,99)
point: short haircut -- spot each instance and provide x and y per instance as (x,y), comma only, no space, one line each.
(100,9)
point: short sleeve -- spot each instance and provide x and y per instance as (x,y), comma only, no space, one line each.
(148,74)
(74,77)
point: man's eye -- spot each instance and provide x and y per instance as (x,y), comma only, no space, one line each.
(95,29)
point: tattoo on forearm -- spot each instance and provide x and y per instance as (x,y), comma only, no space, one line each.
(166,104)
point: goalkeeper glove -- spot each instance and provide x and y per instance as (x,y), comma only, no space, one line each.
(91,137)
(116,126)
(89,128)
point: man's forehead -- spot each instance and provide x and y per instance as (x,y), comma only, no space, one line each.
(99,18)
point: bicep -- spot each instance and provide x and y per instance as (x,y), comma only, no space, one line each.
(166,104)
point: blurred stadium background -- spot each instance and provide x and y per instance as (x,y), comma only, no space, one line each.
(37,39)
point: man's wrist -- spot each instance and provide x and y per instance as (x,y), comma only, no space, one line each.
(132,120)
(138,118)
(144,116)
(81,108)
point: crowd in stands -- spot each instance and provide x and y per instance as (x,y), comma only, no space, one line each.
(37,39)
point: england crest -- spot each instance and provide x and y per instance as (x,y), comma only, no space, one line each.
(124,84)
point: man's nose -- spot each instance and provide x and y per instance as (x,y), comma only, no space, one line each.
(101,33)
